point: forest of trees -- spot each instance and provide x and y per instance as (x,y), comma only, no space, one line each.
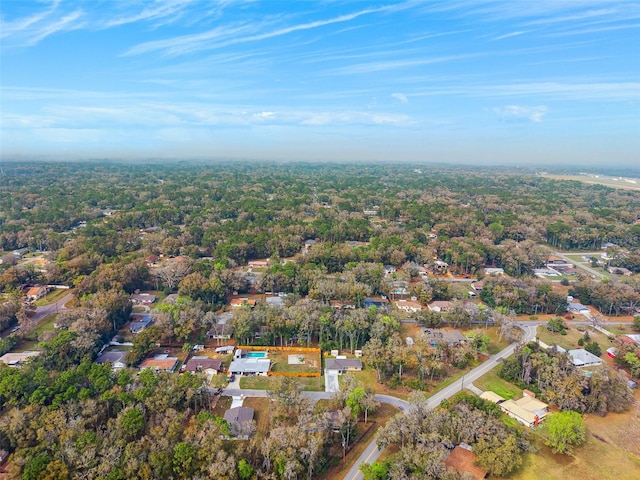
(97,225)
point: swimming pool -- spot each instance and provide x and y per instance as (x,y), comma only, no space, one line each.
(256,354)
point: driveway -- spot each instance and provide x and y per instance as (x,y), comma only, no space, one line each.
(331,381)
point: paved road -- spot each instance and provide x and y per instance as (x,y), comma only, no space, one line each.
(46,310)
(587,269)
(371,453)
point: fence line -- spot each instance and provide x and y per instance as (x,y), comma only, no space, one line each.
(293,374)
(280,349)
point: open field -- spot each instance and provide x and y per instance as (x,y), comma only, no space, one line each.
(613,182)
(611,451)
(258,382)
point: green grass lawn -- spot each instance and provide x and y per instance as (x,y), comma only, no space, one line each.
(52,297)
(570,340)
(310,384)
(280,362)
(45,325)
(492,382)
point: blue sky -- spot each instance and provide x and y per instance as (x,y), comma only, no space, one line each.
(519,82)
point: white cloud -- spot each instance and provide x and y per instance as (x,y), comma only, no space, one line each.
(518,113)
(401,97)
(264,115)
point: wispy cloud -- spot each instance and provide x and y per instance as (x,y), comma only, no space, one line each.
(401,97)
(194,43)
(172,9)
(57,17)
(512,34)
(518,113)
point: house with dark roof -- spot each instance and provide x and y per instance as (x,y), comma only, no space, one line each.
(378,302)
(574,307)
(240,420)
(143,298)
(210,366)
(343,365)
(140,323)
(115,358)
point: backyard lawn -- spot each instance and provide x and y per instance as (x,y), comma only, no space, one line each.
(258,382)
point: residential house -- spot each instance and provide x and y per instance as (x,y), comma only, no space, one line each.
(343,365)
(209,366)
(494,272)
(143,298)
(527,410)
(620,271)
(440,267)
(574,307)
(140,323)
(160,363)
(226,349)
(634,337)
(152,260)
(242,302)
(36,292)
(389,269)
(409,306)
(222,329)
(17,359)
(491,397)
(250,366)
(440,306)
(582,358)
(115,358)
(378,302)
(240,420)
(463,460)
(566,270)
(262,263)
(339,305)
(437,337)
